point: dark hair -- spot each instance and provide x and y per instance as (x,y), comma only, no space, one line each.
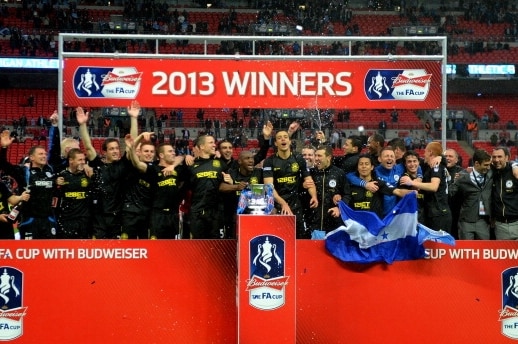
(33,149)
(378,138)
(504,148)
(223,141)
(397,143)
(410,153)
(356,141)
(368,156)
(327,149)
(480,156)
(106,142)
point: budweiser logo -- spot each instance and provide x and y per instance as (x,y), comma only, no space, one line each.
(15,314)
(257,282)
(130,79)
(420,81)
(508,312)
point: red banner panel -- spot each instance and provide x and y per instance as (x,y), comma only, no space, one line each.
(96,82)
(184,291)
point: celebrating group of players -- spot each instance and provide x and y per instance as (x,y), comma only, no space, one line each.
(151,193)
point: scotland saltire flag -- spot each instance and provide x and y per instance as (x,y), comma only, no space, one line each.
(365,238)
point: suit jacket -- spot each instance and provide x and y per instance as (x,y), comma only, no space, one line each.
(470,195)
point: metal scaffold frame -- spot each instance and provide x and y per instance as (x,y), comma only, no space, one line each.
(305,43)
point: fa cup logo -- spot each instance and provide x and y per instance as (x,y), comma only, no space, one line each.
(6,284)
(267,281)
(12,311)
(87,82)
(265,253)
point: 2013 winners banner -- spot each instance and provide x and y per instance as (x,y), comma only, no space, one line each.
(288,84)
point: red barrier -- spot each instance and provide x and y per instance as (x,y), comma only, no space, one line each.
(185,292)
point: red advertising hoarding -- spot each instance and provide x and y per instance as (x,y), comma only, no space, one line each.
(184,291)
(99,82)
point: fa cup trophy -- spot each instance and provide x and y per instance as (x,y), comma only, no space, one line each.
(256,199)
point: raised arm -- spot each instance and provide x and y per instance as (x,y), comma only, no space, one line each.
(54,141)
(264,143)
(133,112)
(132,152)
(82,119)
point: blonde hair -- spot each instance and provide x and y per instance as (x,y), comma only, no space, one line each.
(67,144)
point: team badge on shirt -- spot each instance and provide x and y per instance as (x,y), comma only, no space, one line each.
(295,167)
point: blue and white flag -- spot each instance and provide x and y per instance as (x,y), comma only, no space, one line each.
(365,238)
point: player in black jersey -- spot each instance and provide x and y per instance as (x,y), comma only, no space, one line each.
(73,192)
(37,216)
(166,200)
(287,172)
(245,174)
(205,177)
(434,186)
(140,188)
(168,195)
(349,161)
(8,198)
(359,198)
(411,161)
(109,176)
(225,150)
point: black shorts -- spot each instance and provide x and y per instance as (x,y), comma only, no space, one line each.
(6,231)
(205,224)
(163,224)
(39,228)
(107,226)
(135,225)
(78,228)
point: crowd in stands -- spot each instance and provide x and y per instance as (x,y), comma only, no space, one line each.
(41,22)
